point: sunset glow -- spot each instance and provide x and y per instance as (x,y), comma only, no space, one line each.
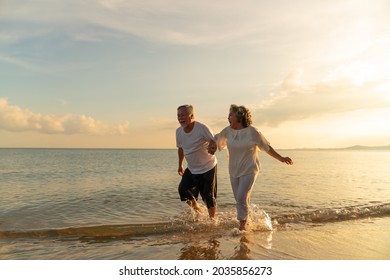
(110,74)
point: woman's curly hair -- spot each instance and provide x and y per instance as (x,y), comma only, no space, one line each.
(243,114)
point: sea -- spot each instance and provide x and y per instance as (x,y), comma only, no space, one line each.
(123,204)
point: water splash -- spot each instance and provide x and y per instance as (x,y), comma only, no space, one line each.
(259,220)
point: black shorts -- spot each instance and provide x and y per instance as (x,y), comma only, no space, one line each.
(205,184)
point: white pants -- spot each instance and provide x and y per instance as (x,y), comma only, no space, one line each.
(242,189)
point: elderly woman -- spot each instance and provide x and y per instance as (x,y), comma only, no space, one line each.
(243,141)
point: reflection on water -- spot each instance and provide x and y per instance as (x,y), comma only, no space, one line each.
(252,241)
(242,250)
(242,246)
(208,250)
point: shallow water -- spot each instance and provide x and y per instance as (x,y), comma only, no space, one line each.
(123,204)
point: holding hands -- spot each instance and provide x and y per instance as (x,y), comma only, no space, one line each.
(212,147)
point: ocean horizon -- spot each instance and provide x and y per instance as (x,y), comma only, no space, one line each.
(354,147)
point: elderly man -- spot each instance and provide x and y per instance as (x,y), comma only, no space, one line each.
(192,140)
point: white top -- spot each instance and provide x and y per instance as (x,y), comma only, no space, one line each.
(194,145)
(242,147)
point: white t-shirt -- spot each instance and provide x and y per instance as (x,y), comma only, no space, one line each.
(194,145)
(242,147)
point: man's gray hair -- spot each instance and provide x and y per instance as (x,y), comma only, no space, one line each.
(189,109)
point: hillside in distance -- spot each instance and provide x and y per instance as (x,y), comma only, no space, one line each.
(358,147)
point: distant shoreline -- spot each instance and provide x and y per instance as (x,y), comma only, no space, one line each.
(352,148)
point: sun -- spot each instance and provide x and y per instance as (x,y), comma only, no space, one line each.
(359,73)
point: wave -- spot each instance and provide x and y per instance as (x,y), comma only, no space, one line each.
(191,223)
(335,215)
(100,231)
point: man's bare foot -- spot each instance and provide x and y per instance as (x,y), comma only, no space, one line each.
(242,225)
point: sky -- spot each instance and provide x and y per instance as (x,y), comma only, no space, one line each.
(111,73)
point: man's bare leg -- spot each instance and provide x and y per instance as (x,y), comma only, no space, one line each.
(194,204)
(212,211)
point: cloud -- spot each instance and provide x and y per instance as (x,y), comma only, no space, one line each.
(22,64)
(14,118)
(293,100)
(164,123)
(279,25)
(294,79)
(173,22)
(168,21)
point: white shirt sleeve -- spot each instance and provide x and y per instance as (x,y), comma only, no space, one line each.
(221,139)
(259,140)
